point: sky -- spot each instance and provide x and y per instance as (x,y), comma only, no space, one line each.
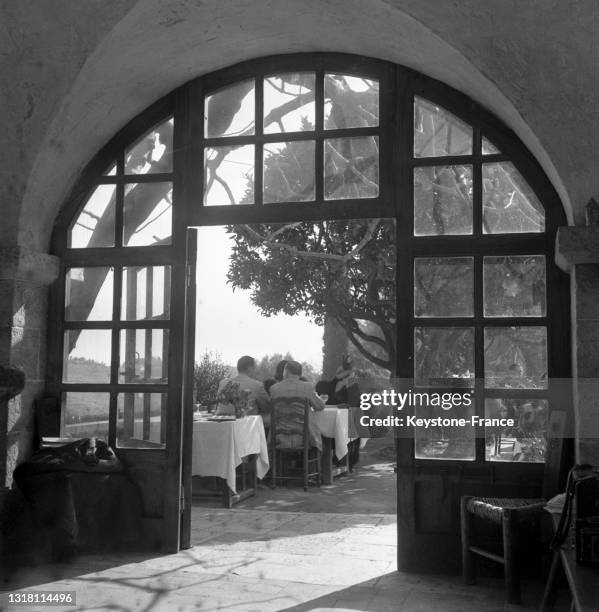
(229,324)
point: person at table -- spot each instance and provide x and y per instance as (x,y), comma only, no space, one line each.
(280,371)
(259,400)
(293,387)
(345,384)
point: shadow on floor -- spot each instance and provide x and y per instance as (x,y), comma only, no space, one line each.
(369,489)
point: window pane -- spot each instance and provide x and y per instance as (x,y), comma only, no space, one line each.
(230,111)
(443,287)
(489,148)
(443,201)
(289,102)
(350,102)
(515,286)
(289,171)
(526,441)
(87,355)
(148,214)
(153,152)
(516,357)
(111,170)
(144,356)
(94,226)
(228,175)
(509,204)
(85,415)
(438,133)
(139,420)
(445,442)
(146,293)
(88,294)
(444,356)
(351,168)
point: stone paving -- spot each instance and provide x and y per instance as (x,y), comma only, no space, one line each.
(331,548)
(255,560)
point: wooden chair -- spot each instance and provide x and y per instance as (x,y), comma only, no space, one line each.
(291,417)
(511,515)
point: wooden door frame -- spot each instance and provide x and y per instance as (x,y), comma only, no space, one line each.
(399,85)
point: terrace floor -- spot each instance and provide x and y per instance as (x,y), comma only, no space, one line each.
(283,550)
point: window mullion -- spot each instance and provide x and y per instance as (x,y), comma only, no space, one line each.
(259,146)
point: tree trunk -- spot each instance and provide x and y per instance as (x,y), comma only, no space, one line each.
(335,345)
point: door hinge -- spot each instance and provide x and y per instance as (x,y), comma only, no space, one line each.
(182,500)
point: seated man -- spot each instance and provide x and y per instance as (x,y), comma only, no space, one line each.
(259,400)
(293,387)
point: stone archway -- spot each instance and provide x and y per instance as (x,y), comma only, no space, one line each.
(159,45)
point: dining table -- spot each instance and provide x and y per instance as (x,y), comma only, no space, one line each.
(338,423)
(220,446)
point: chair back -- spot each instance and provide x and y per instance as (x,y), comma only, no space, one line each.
(290,423)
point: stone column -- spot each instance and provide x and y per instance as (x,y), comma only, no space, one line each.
(577,252)
(24,279)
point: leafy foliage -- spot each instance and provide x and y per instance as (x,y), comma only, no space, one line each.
(265,367)
(343,268)
(207,375)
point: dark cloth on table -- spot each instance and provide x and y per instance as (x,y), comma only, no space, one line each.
(81,497)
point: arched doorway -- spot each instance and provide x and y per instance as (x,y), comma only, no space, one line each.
(482,308)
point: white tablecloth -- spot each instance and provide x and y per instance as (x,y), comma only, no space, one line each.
(333,423)
(218,448)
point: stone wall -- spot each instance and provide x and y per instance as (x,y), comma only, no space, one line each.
(24,280)
(72,75)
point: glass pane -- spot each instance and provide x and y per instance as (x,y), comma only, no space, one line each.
(88,294)
(438,133)
(289,171)
(443,201)
(443,287)
(230,111)
(515,286)
(524,441)
(228,175)
(144,356)
(289,102)
(85,415)
(87,356)
(148,214)
(446,441)
(140,421)
(351,168)
(509,204)
(350,102)
(516,357)
(444,356)
(489,148)
(111,170)
(146,293)
(94,226)
(153,152)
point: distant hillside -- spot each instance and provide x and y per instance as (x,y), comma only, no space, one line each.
(88,371)
(82,407)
